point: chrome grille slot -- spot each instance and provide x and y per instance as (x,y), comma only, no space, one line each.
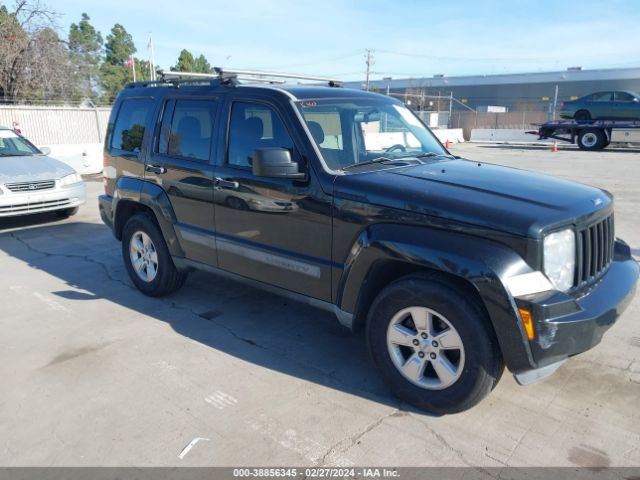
(31,186)
(594,250)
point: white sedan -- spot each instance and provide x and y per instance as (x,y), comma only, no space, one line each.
(32,182)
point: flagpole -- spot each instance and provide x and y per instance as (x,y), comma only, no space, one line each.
(133,66)
(152,60)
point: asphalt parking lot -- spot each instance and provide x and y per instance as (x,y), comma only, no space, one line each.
(95,373)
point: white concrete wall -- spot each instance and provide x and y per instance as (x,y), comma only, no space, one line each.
(504,135)
(85,158)
(454,135)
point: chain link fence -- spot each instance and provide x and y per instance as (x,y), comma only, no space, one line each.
(49,125)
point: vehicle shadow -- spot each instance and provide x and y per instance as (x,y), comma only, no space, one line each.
(244,322)
(23,221)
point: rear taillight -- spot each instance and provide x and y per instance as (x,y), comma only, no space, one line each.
(105,180)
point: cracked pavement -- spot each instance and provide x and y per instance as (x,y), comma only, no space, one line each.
(95,373)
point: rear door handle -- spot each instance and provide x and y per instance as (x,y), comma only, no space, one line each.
(227,183)
(155,169)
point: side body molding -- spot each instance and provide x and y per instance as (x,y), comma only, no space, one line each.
(480,263)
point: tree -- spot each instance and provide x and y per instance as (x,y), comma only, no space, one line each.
(114,73)
(33,61)
(186,63)
(85,49)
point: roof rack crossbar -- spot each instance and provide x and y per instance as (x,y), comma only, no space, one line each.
(229,77)
(188,75)
(263,74)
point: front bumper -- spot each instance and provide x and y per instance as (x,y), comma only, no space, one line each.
(59,198)
(566,325)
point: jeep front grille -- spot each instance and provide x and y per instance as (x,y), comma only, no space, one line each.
(594,250)
(31,186)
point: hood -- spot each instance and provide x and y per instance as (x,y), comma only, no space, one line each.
(491,196)
(32,168)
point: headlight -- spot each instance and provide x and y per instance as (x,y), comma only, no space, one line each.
(560,258)
(70,179)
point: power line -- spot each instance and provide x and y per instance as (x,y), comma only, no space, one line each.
(467,59)
(320,61)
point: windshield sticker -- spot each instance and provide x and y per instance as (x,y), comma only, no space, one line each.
(8,134)
(309,104)
(409,117)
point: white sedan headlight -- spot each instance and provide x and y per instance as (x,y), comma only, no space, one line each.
(560,258)
(70,179)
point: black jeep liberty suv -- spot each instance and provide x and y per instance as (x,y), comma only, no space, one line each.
(345,199)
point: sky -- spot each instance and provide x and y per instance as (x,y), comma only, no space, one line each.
(409,38)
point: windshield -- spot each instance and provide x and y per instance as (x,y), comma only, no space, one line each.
(12,144)
(362,130)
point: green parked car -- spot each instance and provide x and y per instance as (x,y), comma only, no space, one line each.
(603,106)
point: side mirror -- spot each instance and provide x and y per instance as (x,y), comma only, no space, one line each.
(274,163)
(45,150)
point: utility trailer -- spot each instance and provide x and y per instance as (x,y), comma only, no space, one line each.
(590,134)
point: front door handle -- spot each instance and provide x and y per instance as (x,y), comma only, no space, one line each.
(155,169)
(227,183)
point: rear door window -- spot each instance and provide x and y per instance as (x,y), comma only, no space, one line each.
(602,97)
(186,129)
(130,124)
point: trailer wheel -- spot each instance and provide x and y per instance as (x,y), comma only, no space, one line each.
(591,139)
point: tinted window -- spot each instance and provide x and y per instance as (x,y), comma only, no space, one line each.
(357,130)
(254,126)
(325,128)
(602,97)
(186,129)
(623,97)
(130,124)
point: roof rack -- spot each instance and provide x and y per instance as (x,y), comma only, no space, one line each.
(224,76)
(254,75)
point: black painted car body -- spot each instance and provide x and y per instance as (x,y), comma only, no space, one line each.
(336,237)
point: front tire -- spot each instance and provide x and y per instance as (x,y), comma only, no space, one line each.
(433,345)
(147,258)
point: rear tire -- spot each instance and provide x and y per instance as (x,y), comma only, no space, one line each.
(147,258)
(591,139)
(447,367)
(582,116)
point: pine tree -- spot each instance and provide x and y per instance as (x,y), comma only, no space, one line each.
(114,73)
(186,63)
(85,48)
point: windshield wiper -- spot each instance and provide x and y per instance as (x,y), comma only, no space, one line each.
(371,162)
(14,154)
(429,155)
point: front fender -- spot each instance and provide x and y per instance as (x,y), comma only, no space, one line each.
(483,264)
(152,196)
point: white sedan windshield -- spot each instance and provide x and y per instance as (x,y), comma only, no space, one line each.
(12,144)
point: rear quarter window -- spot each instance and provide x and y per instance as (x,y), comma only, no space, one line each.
(130,124)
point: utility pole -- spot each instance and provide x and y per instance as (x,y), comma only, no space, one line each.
(555,104)
(370,63)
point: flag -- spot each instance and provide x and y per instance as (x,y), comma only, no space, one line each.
(129,63)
